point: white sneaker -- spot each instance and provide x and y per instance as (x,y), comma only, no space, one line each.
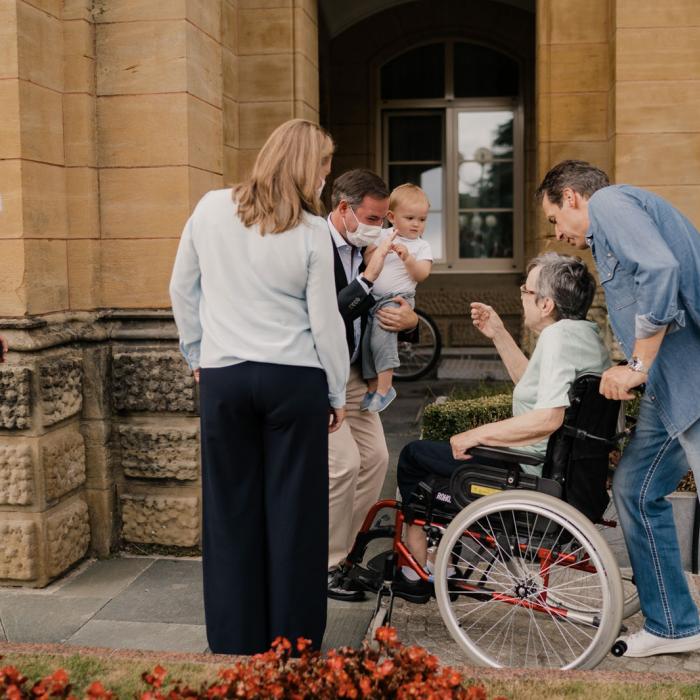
(644,643)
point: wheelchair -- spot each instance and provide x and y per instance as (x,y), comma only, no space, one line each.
(523,576)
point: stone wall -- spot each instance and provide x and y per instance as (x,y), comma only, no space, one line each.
(155,435)
(99,441)
(43,508)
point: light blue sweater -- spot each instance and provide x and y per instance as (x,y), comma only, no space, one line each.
(238,296)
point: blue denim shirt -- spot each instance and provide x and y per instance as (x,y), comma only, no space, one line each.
(648,259)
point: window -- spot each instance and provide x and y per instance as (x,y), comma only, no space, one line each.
(451,123)
(415,154)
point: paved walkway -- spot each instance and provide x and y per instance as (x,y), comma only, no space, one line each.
(153,603)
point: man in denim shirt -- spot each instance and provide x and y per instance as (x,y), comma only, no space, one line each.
(648,258)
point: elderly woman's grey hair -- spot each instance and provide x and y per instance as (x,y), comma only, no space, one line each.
(566,280)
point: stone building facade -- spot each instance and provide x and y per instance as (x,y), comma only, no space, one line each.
(117,115)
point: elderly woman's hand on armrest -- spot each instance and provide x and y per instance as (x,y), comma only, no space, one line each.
(526,429)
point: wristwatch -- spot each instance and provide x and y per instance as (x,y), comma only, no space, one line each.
(362,278)
(636,365)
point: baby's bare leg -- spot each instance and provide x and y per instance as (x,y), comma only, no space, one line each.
(384,380)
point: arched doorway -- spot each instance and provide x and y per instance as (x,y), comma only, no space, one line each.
(442,93)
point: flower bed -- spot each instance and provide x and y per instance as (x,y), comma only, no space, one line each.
(390,671)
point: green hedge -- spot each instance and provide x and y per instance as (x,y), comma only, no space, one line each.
(442,421)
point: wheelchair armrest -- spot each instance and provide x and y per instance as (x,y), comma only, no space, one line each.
(504,455)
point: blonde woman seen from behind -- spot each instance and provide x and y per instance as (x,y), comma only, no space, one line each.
(254,301)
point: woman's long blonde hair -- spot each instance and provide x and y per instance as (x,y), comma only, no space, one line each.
(285,178)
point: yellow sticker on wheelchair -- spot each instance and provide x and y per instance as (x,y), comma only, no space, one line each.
(483,490)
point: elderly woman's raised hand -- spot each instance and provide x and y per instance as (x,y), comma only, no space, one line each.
(486,320)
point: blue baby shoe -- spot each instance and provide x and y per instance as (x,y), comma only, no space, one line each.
(380,401)
(366,401)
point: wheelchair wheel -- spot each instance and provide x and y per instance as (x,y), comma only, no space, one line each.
(536,585)
(417,359)
(563,577)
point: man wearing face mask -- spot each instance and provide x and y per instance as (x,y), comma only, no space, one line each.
(358,455)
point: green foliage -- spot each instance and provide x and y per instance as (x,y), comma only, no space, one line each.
(485,387)
(442,421)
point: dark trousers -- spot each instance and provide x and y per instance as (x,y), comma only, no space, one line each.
(265,504)
(419,460)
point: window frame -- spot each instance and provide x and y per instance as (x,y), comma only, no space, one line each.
(387,163)
(450,108)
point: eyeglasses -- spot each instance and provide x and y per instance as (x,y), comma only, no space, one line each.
(525,290)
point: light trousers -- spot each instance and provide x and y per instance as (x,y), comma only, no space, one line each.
(357,459)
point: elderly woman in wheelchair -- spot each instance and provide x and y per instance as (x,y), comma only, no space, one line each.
(522,576)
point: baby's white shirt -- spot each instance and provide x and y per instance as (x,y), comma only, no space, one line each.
(394,277)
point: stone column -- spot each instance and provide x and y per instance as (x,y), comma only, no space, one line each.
(44,523)
(575,105)
(160,111)
(277,66)
(33,219)
(657,99)
(112,130)
(159,121)
(574,81)
(117,117)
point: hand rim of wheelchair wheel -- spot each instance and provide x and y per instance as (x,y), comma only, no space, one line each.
(587,636)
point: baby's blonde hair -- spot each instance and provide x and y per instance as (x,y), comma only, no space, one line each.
(406,193)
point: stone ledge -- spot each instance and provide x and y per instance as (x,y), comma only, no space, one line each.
(19,549)
(63,460)
(157,381)
(16,474)
(159,453)
(60,388)
(67,536)
(15,389)
(170,520)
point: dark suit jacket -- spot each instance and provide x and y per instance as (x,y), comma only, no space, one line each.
(353,300)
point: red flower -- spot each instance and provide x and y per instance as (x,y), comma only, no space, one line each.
(303,644)
(96,691)
(387,636)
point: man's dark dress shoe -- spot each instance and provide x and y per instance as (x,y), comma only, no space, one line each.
(342,587)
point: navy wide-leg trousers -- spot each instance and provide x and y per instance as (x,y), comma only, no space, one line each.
(264,431)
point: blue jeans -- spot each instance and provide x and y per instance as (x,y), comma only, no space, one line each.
(650,469)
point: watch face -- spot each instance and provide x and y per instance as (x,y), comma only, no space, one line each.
(636,364)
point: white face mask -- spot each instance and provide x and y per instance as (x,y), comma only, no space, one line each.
(319,191)
(364,234)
